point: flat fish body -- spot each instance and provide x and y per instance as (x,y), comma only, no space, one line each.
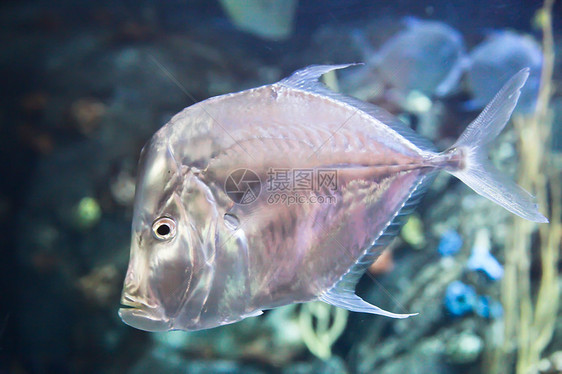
(282,194)
(297,251)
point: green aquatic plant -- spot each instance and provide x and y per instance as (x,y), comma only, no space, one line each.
(321,325)
(87,213)
(413,232)
(530,315)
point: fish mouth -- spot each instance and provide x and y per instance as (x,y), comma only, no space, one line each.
(140,316)
(130,303)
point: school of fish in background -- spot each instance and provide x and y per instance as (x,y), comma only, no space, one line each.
(89,86)
(429,58)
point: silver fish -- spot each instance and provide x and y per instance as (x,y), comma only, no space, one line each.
(212,244)
(497,58)
(426,56)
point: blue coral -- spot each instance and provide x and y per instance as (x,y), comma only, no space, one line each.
(450,243)
(488,308)
(460,298)
(481,259)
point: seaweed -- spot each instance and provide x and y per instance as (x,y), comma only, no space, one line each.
(321,325)
(531,307)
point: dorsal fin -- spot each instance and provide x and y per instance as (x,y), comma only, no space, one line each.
(307,80)
(343,293)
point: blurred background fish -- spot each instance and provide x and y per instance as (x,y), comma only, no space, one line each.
(426,56)
(268,19)
(495,59)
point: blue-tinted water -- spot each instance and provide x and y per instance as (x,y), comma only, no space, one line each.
(87,83)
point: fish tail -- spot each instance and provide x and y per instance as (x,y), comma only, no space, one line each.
(467,159)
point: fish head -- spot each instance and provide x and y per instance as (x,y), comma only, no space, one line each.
(171,262)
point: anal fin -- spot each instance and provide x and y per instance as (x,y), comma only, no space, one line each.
(347,299)
(342,294)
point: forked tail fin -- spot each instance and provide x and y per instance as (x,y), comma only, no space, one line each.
(476,171)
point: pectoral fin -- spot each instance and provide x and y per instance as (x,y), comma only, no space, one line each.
(253,314)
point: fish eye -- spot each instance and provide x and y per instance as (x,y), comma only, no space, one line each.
(231,221)
(164,228)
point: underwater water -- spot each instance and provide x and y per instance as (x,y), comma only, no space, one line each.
(87,84)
